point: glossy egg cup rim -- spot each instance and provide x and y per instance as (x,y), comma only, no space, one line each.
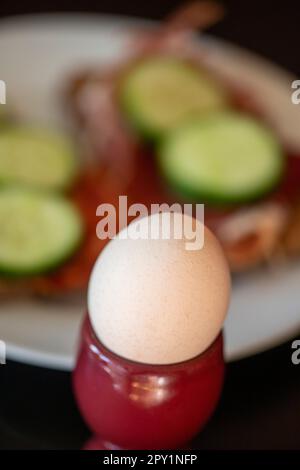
(104,351)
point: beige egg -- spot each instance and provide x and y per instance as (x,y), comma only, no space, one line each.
(157,301)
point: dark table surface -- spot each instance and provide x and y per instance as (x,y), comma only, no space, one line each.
(260,406)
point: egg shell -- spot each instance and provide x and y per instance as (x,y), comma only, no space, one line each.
(153,300)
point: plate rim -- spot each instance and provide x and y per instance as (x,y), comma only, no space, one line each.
(66,362)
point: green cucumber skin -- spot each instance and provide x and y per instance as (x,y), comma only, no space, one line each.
(219,200)
(16,273)
(148,134)
(214,197)
(46,268)
(152,134)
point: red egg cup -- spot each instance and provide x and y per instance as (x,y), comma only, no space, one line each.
(129,405)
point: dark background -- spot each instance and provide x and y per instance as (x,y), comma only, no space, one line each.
(270,27)
(260,406)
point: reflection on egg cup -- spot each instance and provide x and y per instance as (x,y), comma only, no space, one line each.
(130,405)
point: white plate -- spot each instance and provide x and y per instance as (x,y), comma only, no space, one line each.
(36,55)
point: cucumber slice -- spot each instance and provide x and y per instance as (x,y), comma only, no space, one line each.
(36,157)
(38,231)
(222,158)
(160,92)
